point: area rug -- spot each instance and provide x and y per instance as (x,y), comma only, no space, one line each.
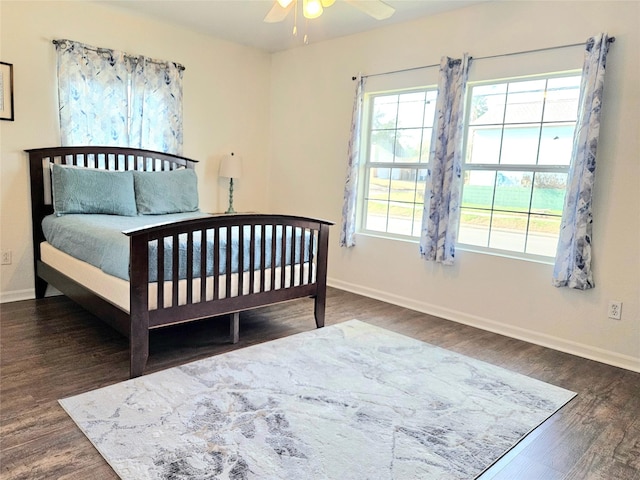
(349,401)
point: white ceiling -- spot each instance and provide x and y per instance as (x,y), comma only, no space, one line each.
(240,21)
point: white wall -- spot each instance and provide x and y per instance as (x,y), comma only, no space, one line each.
(312,96)
(226,107)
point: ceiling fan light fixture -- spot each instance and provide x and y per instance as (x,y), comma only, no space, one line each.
(284,3)
(311,8)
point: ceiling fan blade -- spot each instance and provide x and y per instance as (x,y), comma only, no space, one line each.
(277,13)
(374,8)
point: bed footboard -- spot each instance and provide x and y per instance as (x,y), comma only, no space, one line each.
(221,265)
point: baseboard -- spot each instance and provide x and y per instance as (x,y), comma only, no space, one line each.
(574,348)
(28,294)
(17,295)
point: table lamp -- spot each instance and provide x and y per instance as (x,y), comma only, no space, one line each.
(230,167)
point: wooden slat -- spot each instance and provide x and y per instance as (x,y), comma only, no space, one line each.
(175,256)
(274,243)
(263,254)
(160,270)
(252,259)
(229,252)
(240,260)
(189,267)
(303,233)
(216,263)
(283,256)
(204,245)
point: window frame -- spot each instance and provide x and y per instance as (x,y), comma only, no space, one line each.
(366,165)
(498,167)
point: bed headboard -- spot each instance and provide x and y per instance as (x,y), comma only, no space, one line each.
(104,158)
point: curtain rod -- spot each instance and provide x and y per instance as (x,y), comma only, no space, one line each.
(97,49)
(610,40)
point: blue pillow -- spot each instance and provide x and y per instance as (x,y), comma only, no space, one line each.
(86,190)
(172,191)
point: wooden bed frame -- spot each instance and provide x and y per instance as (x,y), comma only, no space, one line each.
(136,323)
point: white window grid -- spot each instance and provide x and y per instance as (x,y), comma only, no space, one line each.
(528,250)
(389,201)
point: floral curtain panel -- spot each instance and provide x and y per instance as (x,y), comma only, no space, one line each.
(156,94)
(107,97)
(444,182)
(573,259)
(92,95)
(347,232)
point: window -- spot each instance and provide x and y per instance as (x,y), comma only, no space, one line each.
(519,136)
(517,152)
(397,140)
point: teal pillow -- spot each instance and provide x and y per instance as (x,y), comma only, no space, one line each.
(172,191)
(86,190)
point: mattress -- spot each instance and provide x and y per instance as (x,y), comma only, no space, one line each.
(115,290)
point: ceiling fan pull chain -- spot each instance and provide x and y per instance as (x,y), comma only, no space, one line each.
(306,29)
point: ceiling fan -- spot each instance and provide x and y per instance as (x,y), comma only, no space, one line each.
(314,8)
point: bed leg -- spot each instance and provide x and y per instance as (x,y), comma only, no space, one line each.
(319,310)
(138,348)
(41,287)
(235,327)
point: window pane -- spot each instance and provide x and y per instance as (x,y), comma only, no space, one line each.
(411,110)
(400,218)
(520,145)
(379,183)
(543,235)
(477,191)
(403,185)
(417,218)
(408,146)
(525,101)
(561,103)
(556,144)
(430,108)
(385,111)
(426,144)
(513,191)
(508,231)
(382,146)
(487,104)
(474,227)
(483,144)
(548,193)
(376,215)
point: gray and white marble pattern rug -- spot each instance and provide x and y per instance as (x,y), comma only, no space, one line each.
(349,401)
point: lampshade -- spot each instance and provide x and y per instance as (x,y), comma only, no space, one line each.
(230,166)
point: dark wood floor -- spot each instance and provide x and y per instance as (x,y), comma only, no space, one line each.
(52,349)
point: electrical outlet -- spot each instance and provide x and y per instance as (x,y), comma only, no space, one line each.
(615,310)
(6,257)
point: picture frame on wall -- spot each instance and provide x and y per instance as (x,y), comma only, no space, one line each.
(6,91)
